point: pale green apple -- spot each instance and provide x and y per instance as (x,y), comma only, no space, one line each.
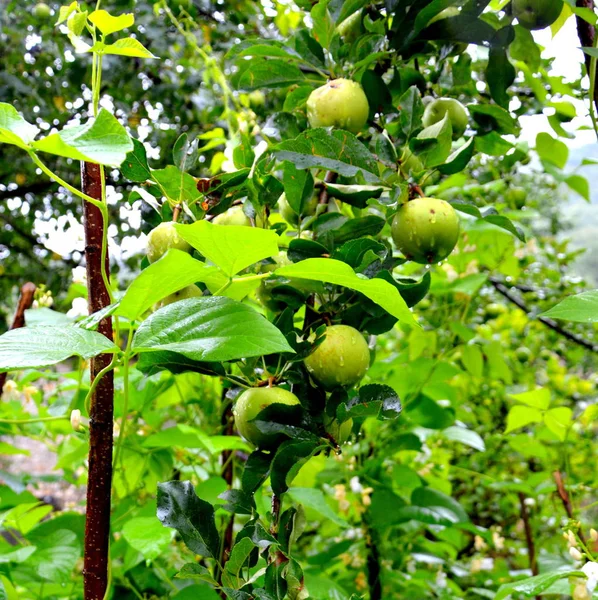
(457,114)
(536,14)
(162,238)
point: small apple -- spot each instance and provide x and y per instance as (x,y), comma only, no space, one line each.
(162,238)
(351,28)
(249,405)
(339,103)
(42,11)
(340,432)
(341,360)
(536,14)
(289,214)
(494,309)
(257,98)
(191,291)
(516,197)
(236,216)
(425,230)
(457,113)
(523,354)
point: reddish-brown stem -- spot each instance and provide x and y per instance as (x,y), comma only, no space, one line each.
(566,499)
(176,211)
(227,475)
(529,538)
(331,177)
(97,521)
(586,34)
(25,302)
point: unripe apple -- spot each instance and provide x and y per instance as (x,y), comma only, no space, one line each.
(351,28)
(339,103)
(236,216)
(42,11)
(288,213)
(162,238)
(536,14)
(457,113)
(341,360)
(523,354)
(425,230)
(191,291)
(516,197)
(494,309)
(250,404)
(411,163)
(256,98)
(340,432)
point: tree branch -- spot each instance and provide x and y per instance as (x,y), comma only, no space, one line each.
(101,414)
(566,500)
(529,538)
(502,289)
(331,177)
(586,34)
(25,302)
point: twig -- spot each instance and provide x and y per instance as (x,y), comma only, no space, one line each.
(101,414)
(587,38)
(373,565)
(502,289)
(566,500)
(25,302)
(331,177)
(529,538)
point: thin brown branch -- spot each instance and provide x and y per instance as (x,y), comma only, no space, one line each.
(101,414)
(586,34)
(330,177)
(529,537)
(25,302)
(566,499)
(502,289)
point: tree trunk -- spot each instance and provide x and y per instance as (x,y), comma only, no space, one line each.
(97,522)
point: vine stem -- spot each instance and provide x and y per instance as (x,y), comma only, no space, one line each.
(36,420)
(25,302)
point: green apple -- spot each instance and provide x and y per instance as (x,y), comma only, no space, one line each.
(42,11)
(523,354)
(256,98)
(249,405)
(289,214)
(351,28)
(425,230)
(411,163)
(536,14)
(341,360)
(457,113)
(340,432)
(516,197)
(339,103)
(191,291)
(236,216)
(494,309)
(162,238)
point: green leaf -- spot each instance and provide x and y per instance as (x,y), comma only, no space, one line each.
(257,468)
(231,248)
(579,184)
(14,129)
(538,398)
(215,329)
(336,272)
(412,111)
(465,436)
(552,150)
(355,195)
(126,47)
(257,74)
(289,458)
(558,420)
(239,557)
(102,140)
(534,586)
(178,186)
(500,74)
(428,497)
(433,144)
(458,159)
(298,186)
(323,26)
(16,556)
(473,360)
(174,271)
(315,500)
(373,400)
(581,308)
(180,508)
(338,151)
(56,560)
(147,536)
(506,224)
(490,117)
(520,416)
(108,24)
(135,167)
(42,346)
(196,571)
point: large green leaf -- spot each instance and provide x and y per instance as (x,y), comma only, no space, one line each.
(552,150)
(147,536)
(520,416)
(102,140)
(316,500)
(47,345)
(180,508)
(14,129)
(581,308)
(213,329)
(333,271)
(55,560)
(174,271)
(338,151)
(534,586)
(108,24)
(231,248)
(257,73)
